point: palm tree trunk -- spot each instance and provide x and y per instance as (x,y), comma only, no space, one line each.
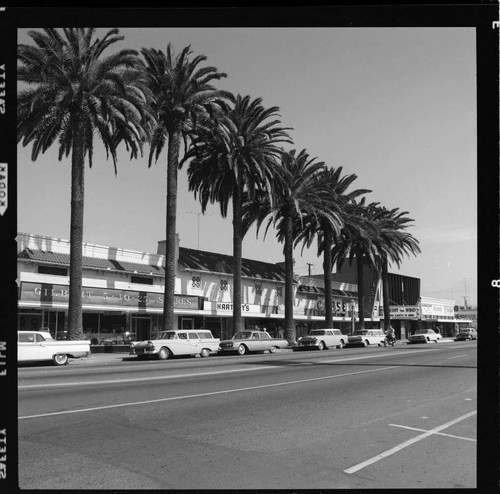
(385,289)
(288,251)
(361,290)
(171,239)
(75,331)
(327,277)
(237,250)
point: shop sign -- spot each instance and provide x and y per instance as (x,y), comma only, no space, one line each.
(315,306)
(227,307)
(48,294)
(403,311)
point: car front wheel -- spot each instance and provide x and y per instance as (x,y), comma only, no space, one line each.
(367,342)
(242,349)
(321,346)
(164,353)
(205,352)
(60,359)
(341,344)
(272,349)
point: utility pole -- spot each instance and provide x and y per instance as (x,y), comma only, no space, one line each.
(309,264)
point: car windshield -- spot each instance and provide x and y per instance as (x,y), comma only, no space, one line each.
(242,335)
(361,332)
(167,335)
(318,332)
(424,331)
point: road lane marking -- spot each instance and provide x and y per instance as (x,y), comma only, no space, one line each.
(200,395)
(405,444)
(437,433)
(198,374)
(457,356)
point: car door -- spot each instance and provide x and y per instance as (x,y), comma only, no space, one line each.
(182,345)
(27,348)
(329,338)
(255,342)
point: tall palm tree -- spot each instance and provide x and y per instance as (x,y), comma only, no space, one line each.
(297,195)
(71,91)
(183,94)
(342,203)
(231,157)
(393,242)
(355,244)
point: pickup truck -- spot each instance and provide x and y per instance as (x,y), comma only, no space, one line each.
(34,346)
(252,341)
(177,342)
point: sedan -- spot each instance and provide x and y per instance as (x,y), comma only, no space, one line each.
(466,334)
(251,341)
(424,336)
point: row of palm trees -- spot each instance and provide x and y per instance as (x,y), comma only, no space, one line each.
(233,145)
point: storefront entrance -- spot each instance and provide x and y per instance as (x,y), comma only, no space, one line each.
(54,320)
(141,328)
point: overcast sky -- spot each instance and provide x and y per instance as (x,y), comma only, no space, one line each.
(396,107)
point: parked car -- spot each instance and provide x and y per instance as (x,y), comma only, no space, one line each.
(252,341)
(466,334)
(34,346)
(177,342)
(321,339)
(424,336)
(366,337)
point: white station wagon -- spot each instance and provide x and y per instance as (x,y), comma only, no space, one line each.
(365,337)
(178,342)
(321,339)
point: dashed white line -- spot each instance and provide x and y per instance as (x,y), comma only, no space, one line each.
(405,444)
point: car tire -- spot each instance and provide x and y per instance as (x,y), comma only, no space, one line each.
(341,344)
(60,359)
(163,353)
(205,352)
(272,349)
(242,349)
(366,343)
(321,346)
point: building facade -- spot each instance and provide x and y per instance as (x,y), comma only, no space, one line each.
(122,292)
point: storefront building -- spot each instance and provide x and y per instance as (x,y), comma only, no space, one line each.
(122,292)
(428,313)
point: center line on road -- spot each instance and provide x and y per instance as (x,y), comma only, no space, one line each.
(226,391)
(405,444)
(457,356)
(210,373)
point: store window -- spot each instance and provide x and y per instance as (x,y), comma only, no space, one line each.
(57,271)
(143,280)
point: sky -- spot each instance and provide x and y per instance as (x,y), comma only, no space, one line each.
(396,107)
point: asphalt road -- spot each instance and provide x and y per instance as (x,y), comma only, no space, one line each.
(402,417)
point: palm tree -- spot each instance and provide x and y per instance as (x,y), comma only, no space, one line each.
(182,96)
(342,203)
(393,242)
(72,92)
(297,194)
(232,156)
(356,244)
